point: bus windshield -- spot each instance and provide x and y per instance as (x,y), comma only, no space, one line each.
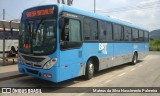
(37,36)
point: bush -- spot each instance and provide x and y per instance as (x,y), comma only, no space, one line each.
(154,45)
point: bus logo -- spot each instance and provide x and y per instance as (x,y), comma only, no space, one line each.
(103,48)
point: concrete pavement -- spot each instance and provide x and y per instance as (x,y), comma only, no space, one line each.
(9,71)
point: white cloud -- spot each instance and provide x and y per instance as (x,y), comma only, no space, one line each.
(148,18)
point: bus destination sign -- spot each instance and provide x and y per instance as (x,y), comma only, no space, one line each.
(41,12)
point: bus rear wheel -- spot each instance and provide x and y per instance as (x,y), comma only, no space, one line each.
(89,70)
(134,59)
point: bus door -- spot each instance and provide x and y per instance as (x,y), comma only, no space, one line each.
(70,49)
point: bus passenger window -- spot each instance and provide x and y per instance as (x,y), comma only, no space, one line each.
(105,31)
(127,34)
(134,35)
(90,29)
(70,34)
(65,31)
(141,35)
(118,32)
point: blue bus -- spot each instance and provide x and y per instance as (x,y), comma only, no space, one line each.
(59,42)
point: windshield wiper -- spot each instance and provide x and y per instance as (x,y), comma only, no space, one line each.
(39,25)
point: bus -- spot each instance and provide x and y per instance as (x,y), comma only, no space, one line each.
(59,42)
(11,39)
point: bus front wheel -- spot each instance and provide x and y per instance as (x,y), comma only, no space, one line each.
(89,70)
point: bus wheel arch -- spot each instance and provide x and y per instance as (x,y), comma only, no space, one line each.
(94,63)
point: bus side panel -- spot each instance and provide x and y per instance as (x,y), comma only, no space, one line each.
(146,47)
(142,49)
(103,51)
(123,53)
(106,55)
(89,50)
(70,64)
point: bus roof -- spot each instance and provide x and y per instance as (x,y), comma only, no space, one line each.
(62,7)
(97,16)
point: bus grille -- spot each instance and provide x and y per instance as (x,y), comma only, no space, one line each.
(33,59)
(34,65)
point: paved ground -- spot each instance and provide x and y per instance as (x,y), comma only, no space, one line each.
(145,74)
(8,71)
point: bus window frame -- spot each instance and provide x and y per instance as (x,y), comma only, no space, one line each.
(132,34)
(99,30)
(97,21)
(139,35)
(62,17)
(122,32)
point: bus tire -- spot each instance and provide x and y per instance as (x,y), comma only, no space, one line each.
(89,70)
(135,59)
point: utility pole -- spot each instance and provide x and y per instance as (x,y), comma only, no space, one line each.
(4,14)
(4,38)
(94,6)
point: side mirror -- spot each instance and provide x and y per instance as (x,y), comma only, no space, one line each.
(61,22)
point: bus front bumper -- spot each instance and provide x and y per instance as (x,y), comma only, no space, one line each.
(49,75)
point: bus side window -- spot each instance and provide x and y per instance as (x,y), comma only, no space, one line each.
(141,35)
(65,31)
(134,34)
(90,29)
(70,34)
(127,34)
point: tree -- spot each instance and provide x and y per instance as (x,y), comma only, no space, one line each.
(156,43)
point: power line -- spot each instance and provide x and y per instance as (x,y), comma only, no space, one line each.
(138,7)
(157,7)
(7,14)
(134,9)
(41,2)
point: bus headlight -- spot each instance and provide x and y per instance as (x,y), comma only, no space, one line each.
(50,63)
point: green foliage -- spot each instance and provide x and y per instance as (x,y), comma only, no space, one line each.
(154,45)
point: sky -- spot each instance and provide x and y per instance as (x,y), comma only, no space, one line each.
(145,13)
